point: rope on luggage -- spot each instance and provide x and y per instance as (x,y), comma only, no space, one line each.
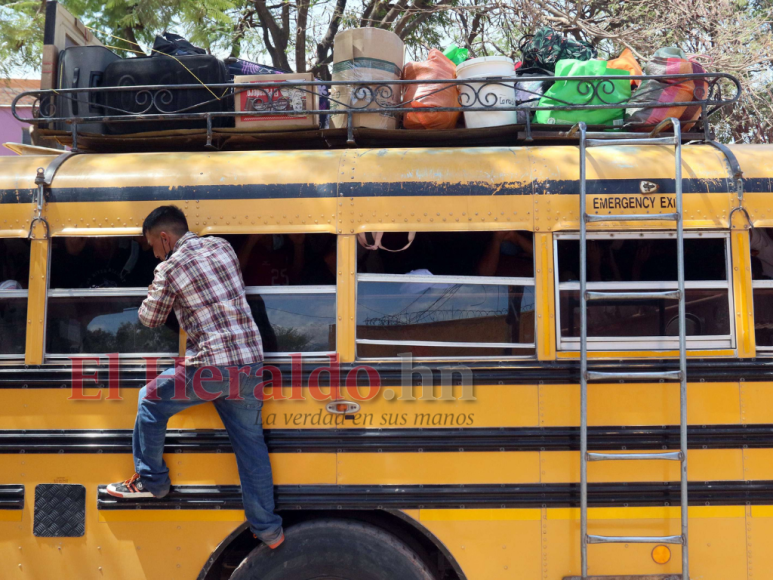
(156,51)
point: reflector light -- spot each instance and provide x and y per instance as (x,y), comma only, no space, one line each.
(661,554)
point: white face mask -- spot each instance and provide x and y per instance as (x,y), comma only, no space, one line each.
(169,252)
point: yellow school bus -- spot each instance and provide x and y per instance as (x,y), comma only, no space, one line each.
(451,448)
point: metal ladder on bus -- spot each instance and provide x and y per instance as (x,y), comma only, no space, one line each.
(585,375)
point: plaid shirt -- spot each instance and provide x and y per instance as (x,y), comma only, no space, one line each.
(202,281)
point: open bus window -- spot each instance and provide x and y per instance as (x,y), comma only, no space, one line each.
(290,281)
(96,287)
(449,294)
(14,278)
(645,261)
(761,242)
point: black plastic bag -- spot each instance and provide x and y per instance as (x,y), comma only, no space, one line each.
(175,45)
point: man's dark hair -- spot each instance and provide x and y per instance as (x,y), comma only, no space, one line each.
(169,217)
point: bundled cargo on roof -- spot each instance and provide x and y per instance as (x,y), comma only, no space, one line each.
(603,91)
(436,67)
(668,61)
(284,103)
(367,54)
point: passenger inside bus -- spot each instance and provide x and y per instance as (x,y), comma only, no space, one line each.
(286,259)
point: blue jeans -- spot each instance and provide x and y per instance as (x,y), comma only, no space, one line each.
(240,412)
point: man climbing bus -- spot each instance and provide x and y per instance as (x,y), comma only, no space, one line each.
(200,279)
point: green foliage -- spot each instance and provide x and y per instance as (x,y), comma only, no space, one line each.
(729,35)
(21,36)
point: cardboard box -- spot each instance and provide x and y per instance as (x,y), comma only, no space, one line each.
(274,97)
(367,54)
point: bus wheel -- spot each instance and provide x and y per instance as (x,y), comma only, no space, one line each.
(334,550)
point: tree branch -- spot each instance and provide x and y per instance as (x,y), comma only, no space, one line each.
(278,51)
(365,18)
(393,13)
(405,27)
(300,35)
(324,46)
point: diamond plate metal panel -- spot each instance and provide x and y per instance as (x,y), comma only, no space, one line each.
(60,510)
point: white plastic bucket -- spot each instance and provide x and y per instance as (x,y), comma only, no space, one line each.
(503,94)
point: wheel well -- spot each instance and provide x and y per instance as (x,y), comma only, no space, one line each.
(241,542)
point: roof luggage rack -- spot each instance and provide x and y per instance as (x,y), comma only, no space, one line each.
(372,98)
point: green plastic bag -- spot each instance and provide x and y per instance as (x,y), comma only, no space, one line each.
(563,92)
(455,54)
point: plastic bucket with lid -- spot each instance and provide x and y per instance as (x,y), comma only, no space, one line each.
(493,94)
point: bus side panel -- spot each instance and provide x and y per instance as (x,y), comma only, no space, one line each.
(491,544)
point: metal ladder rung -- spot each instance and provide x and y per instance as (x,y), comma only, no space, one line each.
(635,539)
(643,141)
(598,375)
(634,217)
(667,456)
(666,295)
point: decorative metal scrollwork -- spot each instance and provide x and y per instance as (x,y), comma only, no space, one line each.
(156,103)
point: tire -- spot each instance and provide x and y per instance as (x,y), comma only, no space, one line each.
(334,550)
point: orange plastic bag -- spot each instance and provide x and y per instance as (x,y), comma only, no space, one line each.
(627,61)
(419,96)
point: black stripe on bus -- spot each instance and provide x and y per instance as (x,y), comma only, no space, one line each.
(194,192)
(338,497)
(395,440)
(376,189)
(11,497)
(132,376)
(16,196)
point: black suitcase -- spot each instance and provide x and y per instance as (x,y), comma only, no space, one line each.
(165,70)
(82,67)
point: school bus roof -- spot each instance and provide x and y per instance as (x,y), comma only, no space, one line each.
(368,182)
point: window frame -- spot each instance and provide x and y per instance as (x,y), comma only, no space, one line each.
(299,289)
(142,292)
(98,293)
(442,279)
(634,343)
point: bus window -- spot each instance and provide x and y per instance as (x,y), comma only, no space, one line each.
(290,281)
(449,294)
(762,281)
(96,286)
(14,277)
(645,261)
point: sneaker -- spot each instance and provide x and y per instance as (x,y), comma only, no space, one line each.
(130,489)
(275,544)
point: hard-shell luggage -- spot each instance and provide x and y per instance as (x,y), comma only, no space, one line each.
(167,71)
(82,67)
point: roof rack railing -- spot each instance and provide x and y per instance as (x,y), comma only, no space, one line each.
(149,103)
